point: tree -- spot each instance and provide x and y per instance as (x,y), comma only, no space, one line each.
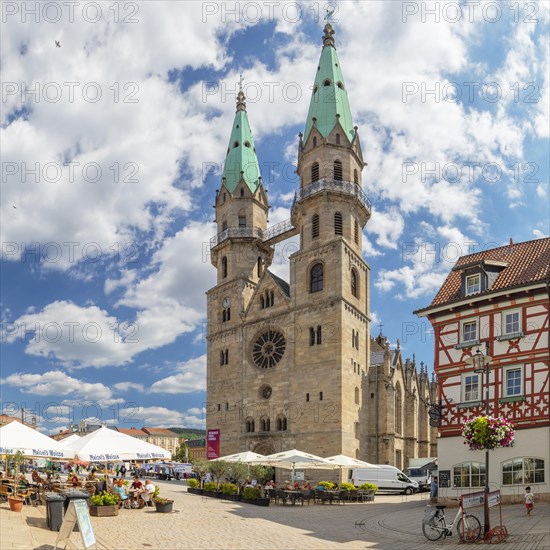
(181,452)
(217,468)
(201,466)
(238,471)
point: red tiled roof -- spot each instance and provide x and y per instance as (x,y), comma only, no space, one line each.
(159,431)
(132,431)
(5,419)
(526,263)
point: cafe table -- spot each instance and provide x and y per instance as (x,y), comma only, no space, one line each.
(294,495)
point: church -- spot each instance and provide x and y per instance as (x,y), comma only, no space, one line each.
(288,362)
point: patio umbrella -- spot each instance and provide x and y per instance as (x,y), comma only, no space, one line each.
(106,445)
(293,459)
(18,437)
(70,439)
(344,461)
(246,457)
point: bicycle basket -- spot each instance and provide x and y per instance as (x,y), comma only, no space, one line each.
(429,515)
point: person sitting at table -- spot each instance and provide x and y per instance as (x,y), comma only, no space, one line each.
(35,477)
(296,486)
(136,485)
(335,487)
(307,486)
(74,480)
(288,486)
(320,487)
(147,492)
(120,489)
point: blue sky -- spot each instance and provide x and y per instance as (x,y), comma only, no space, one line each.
(105,249)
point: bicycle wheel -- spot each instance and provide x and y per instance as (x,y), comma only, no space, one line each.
(472,529)
(435,530)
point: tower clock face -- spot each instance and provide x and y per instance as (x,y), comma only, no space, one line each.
(226,302)
(268,349)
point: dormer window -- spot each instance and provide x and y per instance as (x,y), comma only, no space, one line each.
(326,83)
(473,284)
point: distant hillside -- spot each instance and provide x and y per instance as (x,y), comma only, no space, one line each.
(189,433)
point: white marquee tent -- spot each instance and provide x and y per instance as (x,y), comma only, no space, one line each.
(106,445)
(18,437)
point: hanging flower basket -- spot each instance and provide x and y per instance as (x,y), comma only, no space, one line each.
(488,432)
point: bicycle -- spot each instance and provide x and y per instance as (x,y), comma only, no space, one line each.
(468,526)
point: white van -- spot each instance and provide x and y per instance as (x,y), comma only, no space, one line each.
(388,479)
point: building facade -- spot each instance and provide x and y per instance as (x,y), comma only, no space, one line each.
(288,361)
(196,449)
(496,301)
(162,437)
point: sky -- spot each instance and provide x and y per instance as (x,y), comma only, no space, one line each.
(115,121)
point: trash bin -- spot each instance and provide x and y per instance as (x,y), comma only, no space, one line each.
(73,494)
(54,510)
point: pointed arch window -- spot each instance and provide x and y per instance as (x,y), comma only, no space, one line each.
(249,425)
(316,278)
(281,423)
(338,170)
(262,302)
(338,223)
(242,192)
(337,139)
(259,266)
(224,267)
(315,226)
(354,283)
(226,314)
(356,232)
(265,424)
(398,410)
(314,170)
(356,177)
(314,141)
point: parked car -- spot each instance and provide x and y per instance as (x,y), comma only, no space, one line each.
(387,478)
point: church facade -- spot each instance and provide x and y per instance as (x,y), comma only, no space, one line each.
(288,362)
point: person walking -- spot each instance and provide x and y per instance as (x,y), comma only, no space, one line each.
(434,486)
(117,470)
(529,500)
(123,471)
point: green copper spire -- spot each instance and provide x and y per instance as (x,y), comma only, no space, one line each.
(330,97)
(241,160)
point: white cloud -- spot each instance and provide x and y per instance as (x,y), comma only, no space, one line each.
(190,377)
(129,386)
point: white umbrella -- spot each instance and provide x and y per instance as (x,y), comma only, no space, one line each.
(344,461)
(244,457)
(70,439)
(105,445)
(293,459)
(18,437)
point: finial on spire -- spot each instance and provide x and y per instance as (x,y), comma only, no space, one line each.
(380,325)
(241,79)
(328,37)
(241,101)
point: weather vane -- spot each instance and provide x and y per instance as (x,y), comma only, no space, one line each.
(329,13)
(241,79)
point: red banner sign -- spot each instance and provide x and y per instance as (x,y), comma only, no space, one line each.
(213,444)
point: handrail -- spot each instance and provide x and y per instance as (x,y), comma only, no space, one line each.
(236,232)
(278,229)
(321,185)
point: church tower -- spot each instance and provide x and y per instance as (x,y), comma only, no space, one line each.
(286,361)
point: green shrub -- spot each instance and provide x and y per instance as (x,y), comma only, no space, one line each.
(229,489)
(328,485)
(104,499)
(345,486)
(251,493)
(369,487)
(210,486)
(193,483)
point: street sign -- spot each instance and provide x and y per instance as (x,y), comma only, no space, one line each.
(444,478)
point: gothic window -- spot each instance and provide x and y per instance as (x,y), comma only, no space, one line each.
(242,192)
(262,302)
(265,424)
(224,223)
(224,197)
(356,232)
(398,410)
(226,314)
(355,177)
(271,298)
(338,170)
(356,395)
(311,336)
(224,267)
(249,425)
(242,221)
(357,340)
(338,223)
(319,335)
(259,266)
(337,139)
(314,141)
(316,278)
(314,171)
(268,349)
(281,423)
(354,285)
(315,226)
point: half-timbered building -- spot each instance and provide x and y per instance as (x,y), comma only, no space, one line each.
(496,301)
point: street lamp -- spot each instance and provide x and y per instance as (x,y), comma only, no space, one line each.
(480,362)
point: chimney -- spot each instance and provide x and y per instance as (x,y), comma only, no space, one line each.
(511,244)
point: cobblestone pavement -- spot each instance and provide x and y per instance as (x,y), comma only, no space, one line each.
(390,523)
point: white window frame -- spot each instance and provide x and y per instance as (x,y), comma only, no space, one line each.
(507,312)
(466,284)
(463,388)
(505,371)
(467,322)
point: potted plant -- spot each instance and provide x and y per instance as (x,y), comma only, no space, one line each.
(104,504)
(210,489)
(15,501)
(162,505)
(488,432)
(252,495)
(229,491)
(193,486)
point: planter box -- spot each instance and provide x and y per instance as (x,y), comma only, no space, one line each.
(164,508)
(194,491)
(213,494)
(234,498)
(104,511)
(257,502)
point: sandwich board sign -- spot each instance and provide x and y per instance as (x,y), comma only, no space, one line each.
(76,512)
